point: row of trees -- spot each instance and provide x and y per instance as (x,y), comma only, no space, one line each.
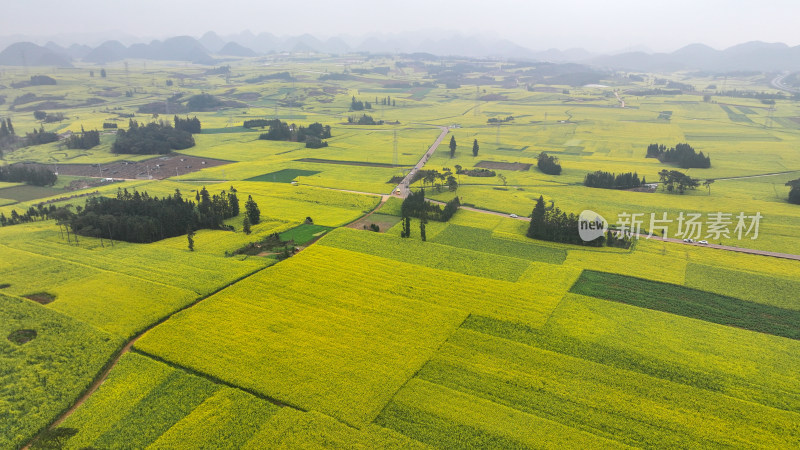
(415,205)
(85,140)
(684,155)
(608,180)
(385,101)
(152,138)
(34,175)
(31,215)
(548,164)
(363,120)
(189,125)
(552,224)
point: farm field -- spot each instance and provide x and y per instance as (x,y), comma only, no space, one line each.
(477,337)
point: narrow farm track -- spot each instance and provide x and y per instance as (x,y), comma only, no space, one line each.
(127,348)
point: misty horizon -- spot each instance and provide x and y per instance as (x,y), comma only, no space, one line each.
(621,26)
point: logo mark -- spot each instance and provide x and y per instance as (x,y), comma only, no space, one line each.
(591,225)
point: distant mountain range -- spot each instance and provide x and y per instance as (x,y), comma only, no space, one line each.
(212,48)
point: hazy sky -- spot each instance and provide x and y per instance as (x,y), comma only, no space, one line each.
(592,24)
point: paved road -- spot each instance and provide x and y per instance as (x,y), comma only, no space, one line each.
(403,187)
(777,83)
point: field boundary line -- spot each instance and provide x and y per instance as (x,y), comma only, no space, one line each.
(217,380)
(422,366)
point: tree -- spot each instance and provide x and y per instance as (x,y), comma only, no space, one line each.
(190,238)
(406,231)
(422,221)
(103,73)
(39,115)
(452,146)
(252,211)
(246,225)
(502,178)
(536,227)
(708,184)
(475,148)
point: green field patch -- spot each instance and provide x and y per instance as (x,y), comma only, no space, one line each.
(26,193)
(689,302)
(512,149)
(348,163)
(734,116)
(482,240)
(573,150)
(429,254)
(745,110)
(283,176)
(304,233)
(225,130)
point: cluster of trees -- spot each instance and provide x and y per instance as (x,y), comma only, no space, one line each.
(415,205)
(49,117)
(358,105)
(794,193)
(153,138)
(684,155)
(38,137)
(608,180)
(42,80)
(281,131)
(34,175)
(431,176)
(552,224)
(548,164)
(40,212)
(256,123)
(475,172)
(673,180)
(138,217)
(109,126)
(364,120)
(192,125)
(85,140)
(496,120)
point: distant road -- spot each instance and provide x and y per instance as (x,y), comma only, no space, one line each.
(404,185)
(777,83)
